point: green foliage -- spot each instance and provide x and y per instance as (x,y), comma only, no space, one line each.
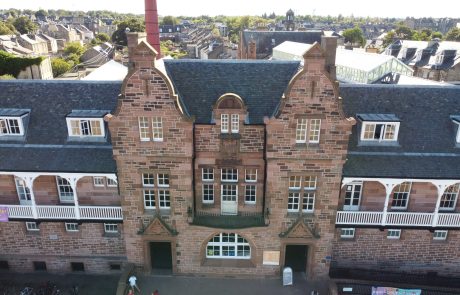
(169,20)
(59,66)
(13,65)
(453,35)
(7,77)
(74,48)
(168,48)
(7,29)
(24,25)
(403,32)
(134,25)
(436,35)
(389,38)
(354,36)
(41,13)
(103,37)
(73,59)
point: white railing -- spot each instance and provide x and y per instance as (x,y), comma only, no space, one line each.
(19,211)
(449,219)
(65,212)
(409,219)
(91,212)
(359,217)
(414,219)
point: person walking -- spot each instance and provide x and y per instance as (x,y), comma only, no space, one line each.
(132,282)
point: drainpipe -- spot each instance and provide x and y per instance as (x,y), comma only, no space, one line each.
(265,170)
(193,170)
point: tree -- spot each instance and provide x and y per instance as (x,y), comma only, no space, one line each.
(103,37)
(404,32)
(436,35)
(134,25)
(24,25)
(59,66)
(453,35)
(7,77)
(169,20)
(7,29)
(74,48)
(389,39)
(41,14)
(354,36)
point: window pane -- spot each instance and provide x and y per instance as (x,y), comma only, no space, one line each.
(65,189)
(308,202)
(315,126)
(301,131)
(251,175)
(229,174)
(224,123)
(235,123)
(208,193)
(163,180)
(157,128)
(149,199)
(401,195)
(294,182)
(369,130)
(309,182)
(96,129)
(75,127)
(84,126)
(207,174)
(22,189)
(229,192)
(14,126)
(250,194)
(293,202)
(165,199)
(144,128)
(148,179)
(449,198)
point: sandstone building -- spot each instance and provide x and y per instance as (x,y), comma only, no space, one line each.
(228,168)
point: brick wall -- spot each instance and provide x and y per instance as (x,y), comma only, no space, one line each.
(57,247)
(415,252)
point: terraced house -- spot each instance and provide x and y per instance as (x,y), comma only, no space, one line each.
(228,168)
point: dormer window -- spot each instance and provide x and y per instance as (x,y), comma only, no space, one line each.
(81,123)
(439,59)
(12,122)
(379,127)
(230,107)
(456,120)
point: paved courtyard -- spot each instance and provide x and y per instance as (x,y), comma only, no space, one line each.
(165,284)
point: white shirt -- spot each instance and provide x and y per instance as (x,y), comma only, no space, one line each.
(132,281)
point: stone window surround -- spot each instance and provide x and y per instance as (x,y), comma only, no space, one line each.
(305,134)
(159,190)
(300,193)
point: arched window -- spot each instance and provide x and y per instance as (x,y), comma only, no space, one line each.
(228,246)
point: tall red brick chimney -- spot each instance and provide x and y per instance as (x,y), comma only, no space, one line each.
(151,25)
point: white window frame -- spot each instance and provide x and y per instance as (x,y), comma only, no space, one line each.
(347,232)
(294,179)
(207,174)
(382,131)
(394,234)
(111,182)
(309,182)
(440,235)
(91,129)
(452,192)
(228,174)
(301,130)
(149,196)
(157,129)
(397,190)
(144,133)
(250,175)
(207,197)
(151,176)
(458,133)
(235,123)
(65,197)
(231,192)
(224,122)
(71,226)
(252,193)
(111,228)
(22,190)
(164,199)
(161,181)
(5,125)
(293,201)
(308,202)
(32,226)
(217,242)
(315,131)
(98,181)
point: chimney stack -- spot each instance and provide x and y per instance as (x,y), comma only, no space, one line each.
(329,45)
(151,25)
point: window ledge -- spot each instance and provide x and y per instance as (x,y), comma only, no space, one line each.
(12,138)
(378,143)
(111,235)
(307,146)
(86,139)
(234,262)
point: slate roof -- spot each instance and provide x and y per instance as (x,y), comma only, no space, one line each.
(426,145)
(45,146)
(261,84)
(264,44)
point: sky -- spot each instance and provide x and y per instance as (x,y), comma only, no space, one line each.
(385,8)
